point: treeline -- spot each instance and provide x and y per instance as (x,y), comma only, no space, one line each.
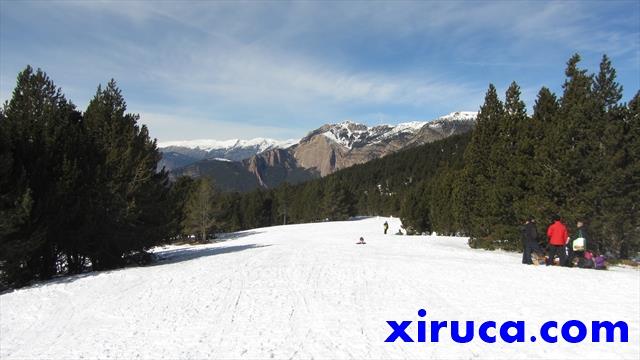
(78,191)
(577,156)
(385,186)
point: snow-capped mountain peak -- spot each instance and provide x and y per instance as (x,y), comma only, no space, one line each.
(180,153)
(345,133)
(460,115)
(351,134)
(262,144)
(349,142)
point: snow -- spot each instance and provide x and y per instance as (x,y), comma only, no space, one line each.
(460,115)
(207,145)
(348,132)
(410,127)
(308,291)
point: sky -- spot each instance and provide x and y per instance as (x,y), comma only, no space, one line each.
(223,70)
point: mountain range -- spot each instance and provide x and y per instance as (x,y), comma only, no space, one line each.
(244,165)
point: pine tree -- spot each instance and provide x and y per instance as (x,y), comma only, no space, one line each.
(200,209)
(414,212)
(545,107)
(606,90)
(444,210)
(543,173)
(130,204)
(283,197)
(477,191)
(511,165)
(569,142)
(630,191)
(37,127)
(181,189)
(337,201)
(612,188)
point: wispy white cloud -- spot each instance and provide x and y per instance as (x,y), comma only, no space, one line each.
(170,126)
(250,75)
(293,65)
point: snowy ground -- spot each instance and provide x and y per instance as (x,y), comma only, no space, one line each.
(307,291)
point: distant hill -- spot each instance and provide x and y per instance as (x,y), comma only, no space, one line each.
(192,151)
(323,151)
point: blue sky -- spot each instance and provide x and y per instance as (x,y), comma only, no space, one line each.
(223,70)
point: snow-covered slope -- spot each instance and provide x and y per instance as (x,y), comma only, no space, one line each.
(308,291)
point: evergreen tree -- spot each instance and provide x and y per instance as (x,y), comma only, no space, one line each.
(337,201)
(545,108)
(479,207)
(200,209)
(131,200)
(283,196)
(606,90)
(181,190)
(613,218)
(443,211)
(511,164)
(629,192)
(414,212)
(567,141)
(543,173)
(36,127)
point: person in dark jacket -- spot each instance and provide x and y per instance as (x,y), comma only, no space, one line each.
(558,236)
(529,241)
(386,227)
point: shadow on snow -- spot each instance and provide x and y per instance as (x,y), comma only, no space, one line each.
(164,258)
(236,235)
(179,255)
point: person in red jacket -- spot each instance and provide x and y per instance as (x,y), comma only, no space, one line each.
(558,236)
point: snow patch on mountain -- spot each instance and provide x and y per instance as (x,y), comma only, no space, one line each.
(460,115)
(352,134)
(262,144)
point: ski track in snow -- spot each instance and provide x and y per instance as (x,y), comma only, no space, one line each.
(308,291)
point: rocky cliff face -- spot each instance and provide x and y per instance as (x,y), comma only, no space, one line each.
(330,148)
(273,167)
(337,146)
(181,153)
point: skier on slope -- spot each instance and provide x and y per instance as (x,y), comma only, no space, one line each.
(386,227)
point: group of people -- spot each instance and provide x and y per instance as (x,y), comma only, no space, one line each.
(386,228)
(571,251)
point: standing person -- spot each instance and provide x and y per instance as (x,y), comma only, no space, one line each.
(529,241)
(386,227)
(578,245)
(558,236)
